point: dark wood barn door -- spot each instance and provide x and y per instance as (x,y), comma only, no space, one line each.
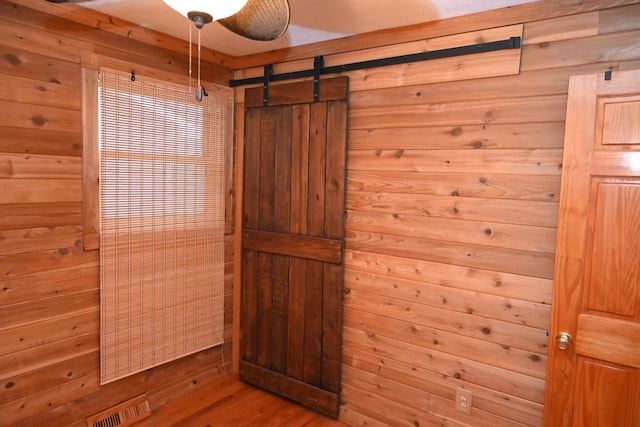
(292,241)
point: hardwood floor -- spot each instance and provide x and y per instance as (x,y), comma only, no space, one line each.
(230,402)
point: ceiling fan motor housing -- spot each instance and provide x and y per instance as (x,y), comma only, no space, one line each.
(199,18)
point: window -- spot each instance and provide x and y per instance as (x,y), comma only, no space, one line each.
(162,221)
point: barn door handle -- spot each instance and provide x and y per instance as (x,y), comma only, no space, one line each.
(564,340)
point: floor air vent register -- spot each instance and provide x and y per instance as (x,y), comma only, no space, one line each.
(123,414)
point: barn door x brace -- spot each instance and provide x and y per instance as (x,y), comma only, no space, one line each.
(319,69)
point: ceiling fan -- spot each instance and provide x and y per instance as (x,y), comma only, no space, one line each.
(261,20)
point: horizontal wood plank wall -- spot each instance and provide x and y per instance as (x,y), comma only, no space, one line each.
(49,321)
(453,179)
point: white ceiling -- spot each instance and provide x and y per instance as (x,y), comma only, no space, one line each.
(311,20)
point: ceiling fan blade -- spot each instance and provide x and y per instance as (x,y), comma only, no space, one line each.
(262,20)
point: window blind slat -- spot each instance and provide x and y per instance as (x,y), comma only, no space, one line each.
(162,223)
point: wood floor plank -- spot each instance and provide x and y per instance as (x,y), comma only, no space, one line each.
(202,399)
(230,402)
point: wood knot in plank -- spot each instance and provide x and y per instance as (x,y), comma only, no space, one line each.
(457,131)
(38,120)
(13,59)
(488,117)
(479,143)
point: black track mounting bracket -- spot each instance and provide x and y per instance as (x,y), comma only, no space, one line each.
(268,72)
(318,63)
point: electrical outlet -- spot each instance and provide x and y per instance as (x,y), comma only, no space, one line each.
(463,400)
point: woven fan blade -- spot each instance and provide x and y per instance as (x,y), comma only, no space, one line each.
(262,20)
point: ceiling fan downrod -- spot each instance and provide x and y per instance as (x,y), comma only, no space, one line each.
(200,19)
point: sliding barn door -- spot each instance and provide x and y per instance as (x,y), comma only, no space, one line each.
(292,241)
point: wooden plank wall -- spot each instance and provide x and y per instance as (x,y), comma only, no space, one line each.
(49,311)
(448,264)
(452,199)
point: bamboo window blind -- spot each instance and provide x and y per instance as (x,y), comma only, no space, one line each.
(161,222)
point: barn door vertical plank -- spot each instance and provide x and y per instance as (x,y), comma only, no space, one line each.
(282,214)
(299,196)
(250,258)
(266,223)
(315,270)
(335,178)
